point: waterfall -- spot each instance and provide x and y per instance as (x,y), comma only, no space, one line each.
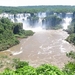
(22,18)
(67,20)
(38,26)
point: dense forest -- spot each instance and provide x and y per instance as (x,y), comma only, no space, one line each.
(9,32)
(35,9)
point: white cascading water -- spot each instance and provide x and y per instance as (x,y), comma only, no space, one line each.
(67,20)
(38,27)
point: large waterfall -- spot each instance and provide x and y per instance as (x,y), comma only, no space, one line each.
(39,26)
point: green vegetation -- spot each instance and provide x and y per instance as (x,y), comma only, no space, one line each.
(33,20)
(71,38)
(47,69)
(35,9)
(17,67)
(19,32)
(23,68)
(71,31)
(69,68)
(52,22)
(8,31)
(7,38)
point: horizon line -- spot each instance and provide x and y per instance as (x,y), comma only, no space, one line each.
(33,5)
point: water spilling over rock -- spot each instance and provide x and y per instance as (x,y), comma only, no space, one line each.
(40,21)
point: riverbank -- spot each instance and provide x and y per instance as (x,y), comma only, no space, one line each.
(48,46)
(9,32)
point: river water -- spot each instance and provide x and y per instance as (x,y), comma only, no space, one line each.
(46,46)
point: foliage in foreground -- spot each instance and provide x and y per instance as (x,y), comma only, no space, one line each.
(45,69)
(23,68)
(69,68)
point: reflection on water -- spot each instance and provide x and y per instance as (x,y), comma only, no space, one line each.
(47,46)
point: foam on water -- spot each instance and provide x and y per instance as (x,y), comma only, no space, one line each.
(16,53)
(62,49)
(35,29)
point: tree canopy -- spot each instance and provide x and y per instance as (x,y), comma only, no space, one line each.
(9,31)
(35,9)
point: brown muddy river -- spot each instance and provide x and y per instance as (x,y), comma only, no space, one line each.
(48,46)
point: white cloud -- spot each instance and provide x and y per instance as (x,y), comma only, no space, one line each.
(35,2)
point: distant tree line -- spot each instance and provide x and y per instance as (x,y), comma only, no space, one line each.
(35,9)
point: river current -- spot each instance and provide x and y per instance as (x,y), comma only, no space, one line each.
(46,46)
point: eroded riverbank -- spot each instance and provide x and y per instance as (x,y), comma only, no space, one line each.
(48,46)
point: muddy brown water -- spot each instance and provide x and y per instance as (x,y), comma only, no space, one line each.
(48,46)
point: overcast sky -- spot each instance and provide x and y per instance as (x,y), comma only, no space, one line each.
(35,2)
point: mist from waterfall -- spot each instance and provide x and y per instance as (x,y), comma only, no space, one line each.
(22,18)
(38,26)
(67,20)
